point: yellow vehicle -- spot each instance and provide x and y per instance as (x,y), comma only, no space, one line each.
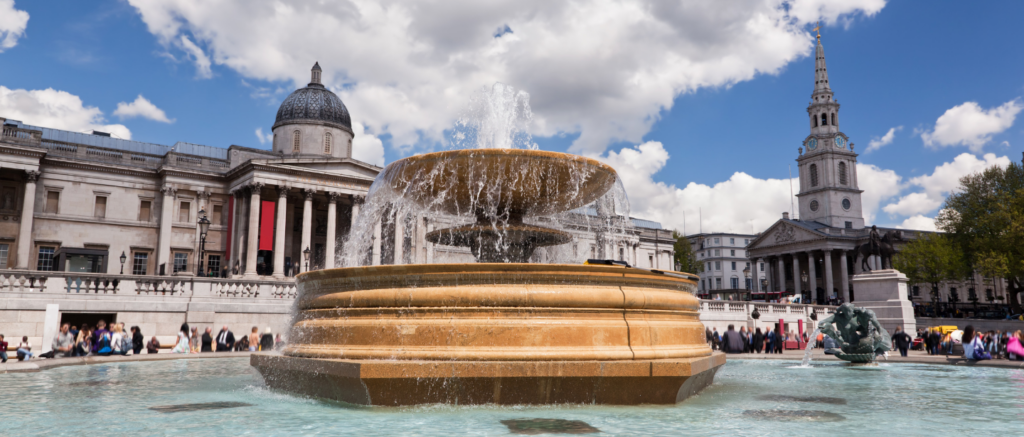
(946,329)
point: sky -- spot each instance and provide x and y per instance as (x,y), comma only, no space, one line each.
(699,105)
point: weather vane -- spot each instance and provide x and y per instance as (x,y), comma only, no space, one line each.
(817,29)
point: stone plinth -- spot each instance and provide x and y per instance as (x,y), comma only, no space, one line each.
(396,382)
(885,293)
(539,333)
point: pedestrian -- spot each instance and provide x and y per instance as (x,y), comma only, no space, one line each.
(182,346)
(1014,346)
(974,348)
(64,342)
(242,344)
(117,340)
(901,340)
(758,340)
(278,342)
(707,335)
(207,340)
(3,349)
(716,340)
(267,341)
(732,343)
(138,340)
(769,341)
(153,346)
(99,335)
(225,340)
(193,340)
(936,340)
(24,349)
(746,340)
(254,339)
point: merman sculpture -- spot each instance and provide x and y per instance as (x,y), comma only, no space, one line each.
(861,338)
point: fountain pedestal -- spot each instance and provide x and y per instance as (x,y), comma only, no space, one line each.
(885,293)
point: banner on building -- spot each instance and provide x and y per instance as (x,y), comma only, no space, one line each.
(266,225)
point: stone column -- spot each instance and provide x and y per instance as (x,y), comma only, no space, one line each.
(844,277)
(399,239)
(430,246)
(236,212)
(753,275)
(797,286)
(812,276)
(782,274)
(280,226)
(375,257)
(28,209)
(307,228)
(828,272)
(204,196)
(163,256)
(252,242)
(356,201)
(332,226)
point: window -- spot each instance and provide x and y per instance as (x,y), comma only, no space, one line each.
(45,262)
(218,214)
(184,212)
(139,262)
(296,136)
(734,265)
(650,259)
(734,282)
(833,119)
(917,291)
(762,267)
(746,241)
(718,283)
(748,283)
(814,174)
(824,119)
(213,265)
(100,210)
(718,252)
(180,262)
(814,120)
(718,265)
(145,208)
(849,225)
(327,143)
(707,266)
(842,173)
(732,241)
(716,241)
(593,252)
(622,254)
(814,205)
(52,202)
(4,248)
(846,204)
(732,253)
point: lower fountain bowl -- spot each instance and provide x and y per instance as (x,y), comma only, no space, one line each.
(494,333)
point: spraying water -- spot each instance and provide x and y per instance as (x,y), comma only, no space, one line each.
(810,348)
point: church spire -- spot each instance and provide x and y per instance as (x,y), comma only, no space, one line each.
(315,74)
(820,71)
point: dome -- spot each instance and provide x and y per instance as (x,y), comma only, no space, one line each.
(314,104)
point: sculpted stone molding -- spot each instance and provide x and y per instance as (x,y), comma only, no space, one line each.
(256,186)
(332,197)
(356,199)
(785,234)
(32,175)
(308,193)
(282,191)
(169,190)
(203,195)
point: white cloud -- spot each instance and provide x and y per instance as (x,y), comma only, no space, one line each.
(885,140)
(264,137)
(366,147)
(918,223)
(934,188)
(879,185)
(604,69)
(55,109)
(12,24)
(913,203)
(141,107)
(970,125)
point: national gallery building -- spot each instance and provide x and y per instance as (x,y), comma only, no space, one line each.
(99,227)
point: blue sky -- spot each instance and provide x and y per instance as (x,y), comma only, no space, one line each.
(678,123)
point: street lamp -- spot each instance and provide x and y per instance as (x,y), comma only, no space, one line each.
(305,254)
(803,280)
(123,259)
(746,274)
(204,227)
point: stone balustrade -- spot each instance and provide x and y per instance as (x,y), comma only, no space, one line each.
(22,136)
(719,314)
(69,283)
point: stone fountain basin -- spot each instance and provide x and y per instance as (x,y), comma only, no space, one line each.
(494,333)
(514,181)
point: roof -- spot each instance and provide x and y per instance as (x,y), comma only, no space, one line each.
(316,104)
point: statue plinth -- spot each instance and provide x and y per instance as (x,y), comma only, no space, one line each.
(885,293)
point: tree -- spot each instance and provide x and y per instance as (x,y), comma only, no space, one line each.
(685,258)
(931,259)
(985,219)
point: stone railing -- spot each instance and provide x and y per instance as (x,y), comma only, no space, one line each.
(765,309)
(68,283)
(102,154)
(197,162)
(21,136)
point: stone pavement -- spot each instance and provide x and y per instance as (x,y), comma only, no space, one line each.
(916,357)
(35,365)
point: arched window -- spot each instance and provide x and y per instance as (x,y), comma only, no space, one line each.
(814,175)
(814,120)
(296,137)
(833,119)
(842,173)
(824,119)
(327,143)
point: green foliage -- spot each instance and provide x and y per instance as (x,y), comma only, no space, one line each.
(985,219)
(931,259)
(685,258)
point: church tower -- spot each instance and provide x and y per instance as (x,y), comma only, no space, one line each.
(829,193)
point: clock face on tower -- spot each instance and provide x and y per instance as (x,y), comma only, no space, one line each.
(812,144)
(839,142)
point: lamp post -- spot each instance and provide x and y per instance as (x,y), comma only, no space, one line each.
(305,255)
(204,227)
(123,259)
(746,274)
(803,280)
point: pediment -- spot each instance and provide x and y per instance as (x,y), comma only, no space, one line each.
(338,167)
(784,232)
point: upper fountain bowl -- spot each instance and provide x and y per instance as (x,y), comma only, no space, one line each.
(515,182)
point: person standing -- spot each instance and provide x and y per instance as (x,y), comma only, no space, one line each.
(3,349)
(138,340)
(225,340)
(182,346)
(207,340)
(194,340)
(936,339)
(743,337)
(707,335)
(769,337)
(267,341)
(716,340)
(901,340)
(758,340)
(99,334)
(732,343)
(254,339)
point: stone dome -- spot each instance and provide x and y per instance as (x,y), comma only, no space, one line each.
(314,104)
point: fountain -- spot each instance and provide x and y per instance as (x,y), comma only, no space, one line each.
(858,333)
(501,330)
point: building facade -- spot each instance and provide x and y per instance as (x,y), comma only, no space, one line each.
(726,273)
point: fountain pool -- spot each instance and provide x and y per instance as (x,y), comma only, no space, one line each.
(748,397)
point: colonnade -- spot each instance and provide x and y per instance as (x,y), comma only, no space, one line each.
(807,262)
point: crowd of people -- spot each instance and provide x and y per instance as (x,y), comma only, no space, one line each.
(749,341)
(116,339)
(976,345)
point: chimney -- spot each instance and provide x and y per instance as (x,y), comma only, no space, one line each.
(785,216)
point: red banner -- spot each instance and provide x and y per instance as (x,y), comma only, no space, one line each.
(266,225)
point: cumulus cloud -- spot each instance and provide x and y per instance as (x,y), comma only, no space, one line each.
(885,140)
(55,109)
(264,137)
(913,203)
(366,147)
(12,24)
(918,223)
(141,107)
(601,69)
(970,125)
(879,185)
(932,189)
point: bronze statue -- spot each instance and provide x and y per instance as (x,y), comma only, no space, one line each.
(858,333)
(883,247)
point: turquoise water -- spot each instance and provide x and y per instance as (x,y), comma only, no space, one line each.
(749,397)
